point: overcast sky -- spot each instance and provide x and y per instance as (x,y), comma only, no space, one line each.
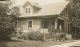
(41,2)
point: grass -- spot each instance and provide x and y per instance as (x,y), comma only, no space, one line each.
(28,43)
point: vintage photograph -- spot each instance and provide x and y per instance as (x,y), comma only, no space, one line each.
(39,23)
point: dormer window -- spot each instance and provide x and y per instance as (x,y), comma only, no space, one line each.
(28,10)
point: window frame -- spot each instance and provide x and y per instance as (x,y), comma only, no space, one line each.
(28,10)
(44,24)
(30,25)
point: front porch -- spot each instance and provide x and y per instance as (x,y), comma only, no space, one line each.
(52,25)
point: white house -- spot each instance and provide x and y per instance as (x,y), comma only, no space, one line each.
(51,17)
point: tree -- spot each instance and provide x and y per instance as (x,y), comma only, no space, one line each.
(75,17)
(7,22)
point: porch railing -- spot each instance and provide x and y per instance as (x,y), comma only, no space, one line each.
(43,30)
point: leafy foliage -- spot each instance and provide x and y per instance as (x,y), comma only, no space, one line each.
(7,24)
(75,18)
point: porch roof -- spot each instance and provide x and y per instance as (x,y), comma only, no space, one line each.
(41,16)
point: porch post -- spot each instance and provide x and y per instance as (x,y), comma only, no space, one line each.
(16,25)
(56,24)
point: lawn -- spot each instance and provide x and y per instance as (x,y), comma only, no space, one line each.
(28,43)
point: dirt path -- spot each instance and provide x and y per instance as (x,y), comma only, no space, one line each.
(68,44)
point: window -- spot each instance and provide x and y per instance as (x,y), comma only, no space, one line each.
(16,23)
(28,10)
(29,24)
(44,24)
(66,11)
(63,13)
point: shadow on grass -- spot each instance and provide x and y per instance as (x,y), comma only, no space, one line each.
(10,40)
(14,40)
(3,43)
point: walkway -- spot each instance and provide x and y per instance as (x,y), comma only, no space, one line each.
(68,44)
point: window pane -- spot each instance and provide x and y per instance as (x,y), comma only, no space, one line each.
(29,10)
(66,10)
(26,10)
(30,24)
(44,24)
(16,23)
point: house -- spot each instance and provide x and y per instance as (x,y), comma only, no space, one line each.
(47,18)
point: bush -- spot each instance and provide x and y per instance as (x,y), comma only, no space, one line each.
(22,35)
(7,33)
(36,36)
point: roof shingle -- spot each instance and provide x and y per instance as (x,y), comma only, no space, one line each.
(52,9)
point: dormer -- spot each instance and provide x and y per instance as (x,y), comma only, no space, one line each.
(30,8)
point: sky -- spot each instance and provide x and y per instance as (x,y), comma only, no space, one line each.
(41,2)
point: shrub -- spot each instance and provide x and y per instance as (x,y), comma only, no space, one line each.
(36,36)
(7,33)
(22,36)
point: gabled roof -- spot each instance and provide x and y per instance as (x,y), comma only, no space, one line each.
(32,4)
(52,9)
